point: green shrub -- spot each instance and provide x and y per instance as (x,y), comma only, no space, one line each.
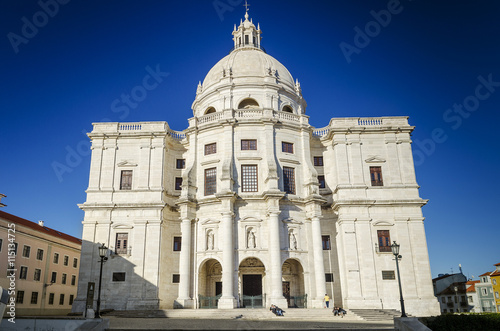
(465,322)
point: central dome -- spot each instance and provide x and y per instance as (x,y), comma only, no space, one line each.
(251,64)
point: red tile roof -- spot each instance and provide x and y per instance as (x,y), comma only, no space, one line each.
(35,226)
(486,274)
(496,264)
(472,287)
(495,273)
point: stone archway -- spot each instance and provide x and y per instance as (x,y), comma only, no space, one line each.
(293,284)
(209,284)
(251,283)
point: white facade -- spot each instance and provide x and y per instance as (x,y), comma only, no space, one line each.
(259,235)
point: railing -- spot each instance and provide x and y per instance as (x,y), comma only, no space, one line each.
(208,302)
(287,116)
(176,134)
(248,45)
(130,127)
(321,132)
(298,301)
(210,117)
(248,113)
(256,301)
(370,121)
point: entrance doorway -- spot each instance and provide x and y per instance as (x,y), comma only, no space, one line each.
(286,292)
(252,291)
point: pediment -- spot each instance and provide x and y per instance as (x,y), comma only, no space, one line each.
(126,164)
(382,223)
(375,159)
(209,221)
(250,219)
(120,226)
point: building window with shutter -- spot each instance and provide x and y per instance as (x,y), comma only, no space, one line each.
(318,161)
(121,243)
(66,260)
(376,176)
(39,254)
(53,279)
(210,148)
(73,280)
(61,299)
(38,274)
(177,244)
(384,241)
(20,297)
(178,183)
(289,180)
(326,243)
(248,144)
(287,147)
(63,279)
(118,276)
(210,181)
(388,275)
(34,298)
(24,273)
(126,180)
(56,258)
(51,298)
(75,262)
(26,251)
(249,178)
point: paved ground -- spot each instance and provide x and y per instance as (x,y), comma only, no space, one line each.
(120,323)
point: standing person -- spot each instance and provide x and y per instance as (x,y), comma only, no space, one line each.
(327,300)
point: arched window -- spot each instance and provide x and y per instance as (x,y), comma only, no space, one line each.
(210,110)
(288,109)
(248,104)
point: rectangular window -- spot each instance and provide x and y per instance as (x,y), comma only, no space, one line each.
(210,148)
(329,278)
(249,178)
(15,249)
(56,258)
(66,260)
(61,299)
(121,243)
(34,298)
(289,180)
(287,147)
(494,281)
(24,273)
(73,280)
(39,254)
(178,183)
(180,164)
(318,161)
(63,279)
(126,180)
(20,297)
(53,279)
(497,295)
(75,262)
(118,276)
(321,180)
(470,298)
(37,276)
(210,181)
(248,144)
(71,298)
(376,176)
(26,251)
(51,298)
(384,241)
(176,278)
(445,310)
(326,243)
(177,244)
(388,275)
(443,300)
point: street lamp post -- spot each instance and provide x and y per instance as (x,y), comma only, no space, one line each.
(395,251)
(102,254)
(456,296)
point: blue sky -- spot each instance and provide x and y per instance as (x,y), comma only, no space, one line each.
(68,66)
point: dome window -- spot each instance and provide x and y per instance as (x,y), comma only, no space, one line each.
(248,104)
(210,110)
(288,109)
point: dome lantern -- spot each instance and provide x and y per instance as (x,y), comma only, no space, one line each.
(247,35)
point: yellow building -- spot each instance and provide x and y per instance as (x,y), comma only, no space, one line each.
(42,266)
(495,281)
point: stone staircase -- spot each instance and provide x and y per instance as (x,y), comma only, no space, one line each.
(241,313)
(377,314)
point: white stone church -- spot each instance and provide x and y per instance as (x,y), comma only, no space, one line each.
(252,206)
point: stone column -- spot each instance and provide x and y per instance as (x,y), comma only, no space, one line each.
(184,298)
(319,267)
(275,267)
(227,301)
